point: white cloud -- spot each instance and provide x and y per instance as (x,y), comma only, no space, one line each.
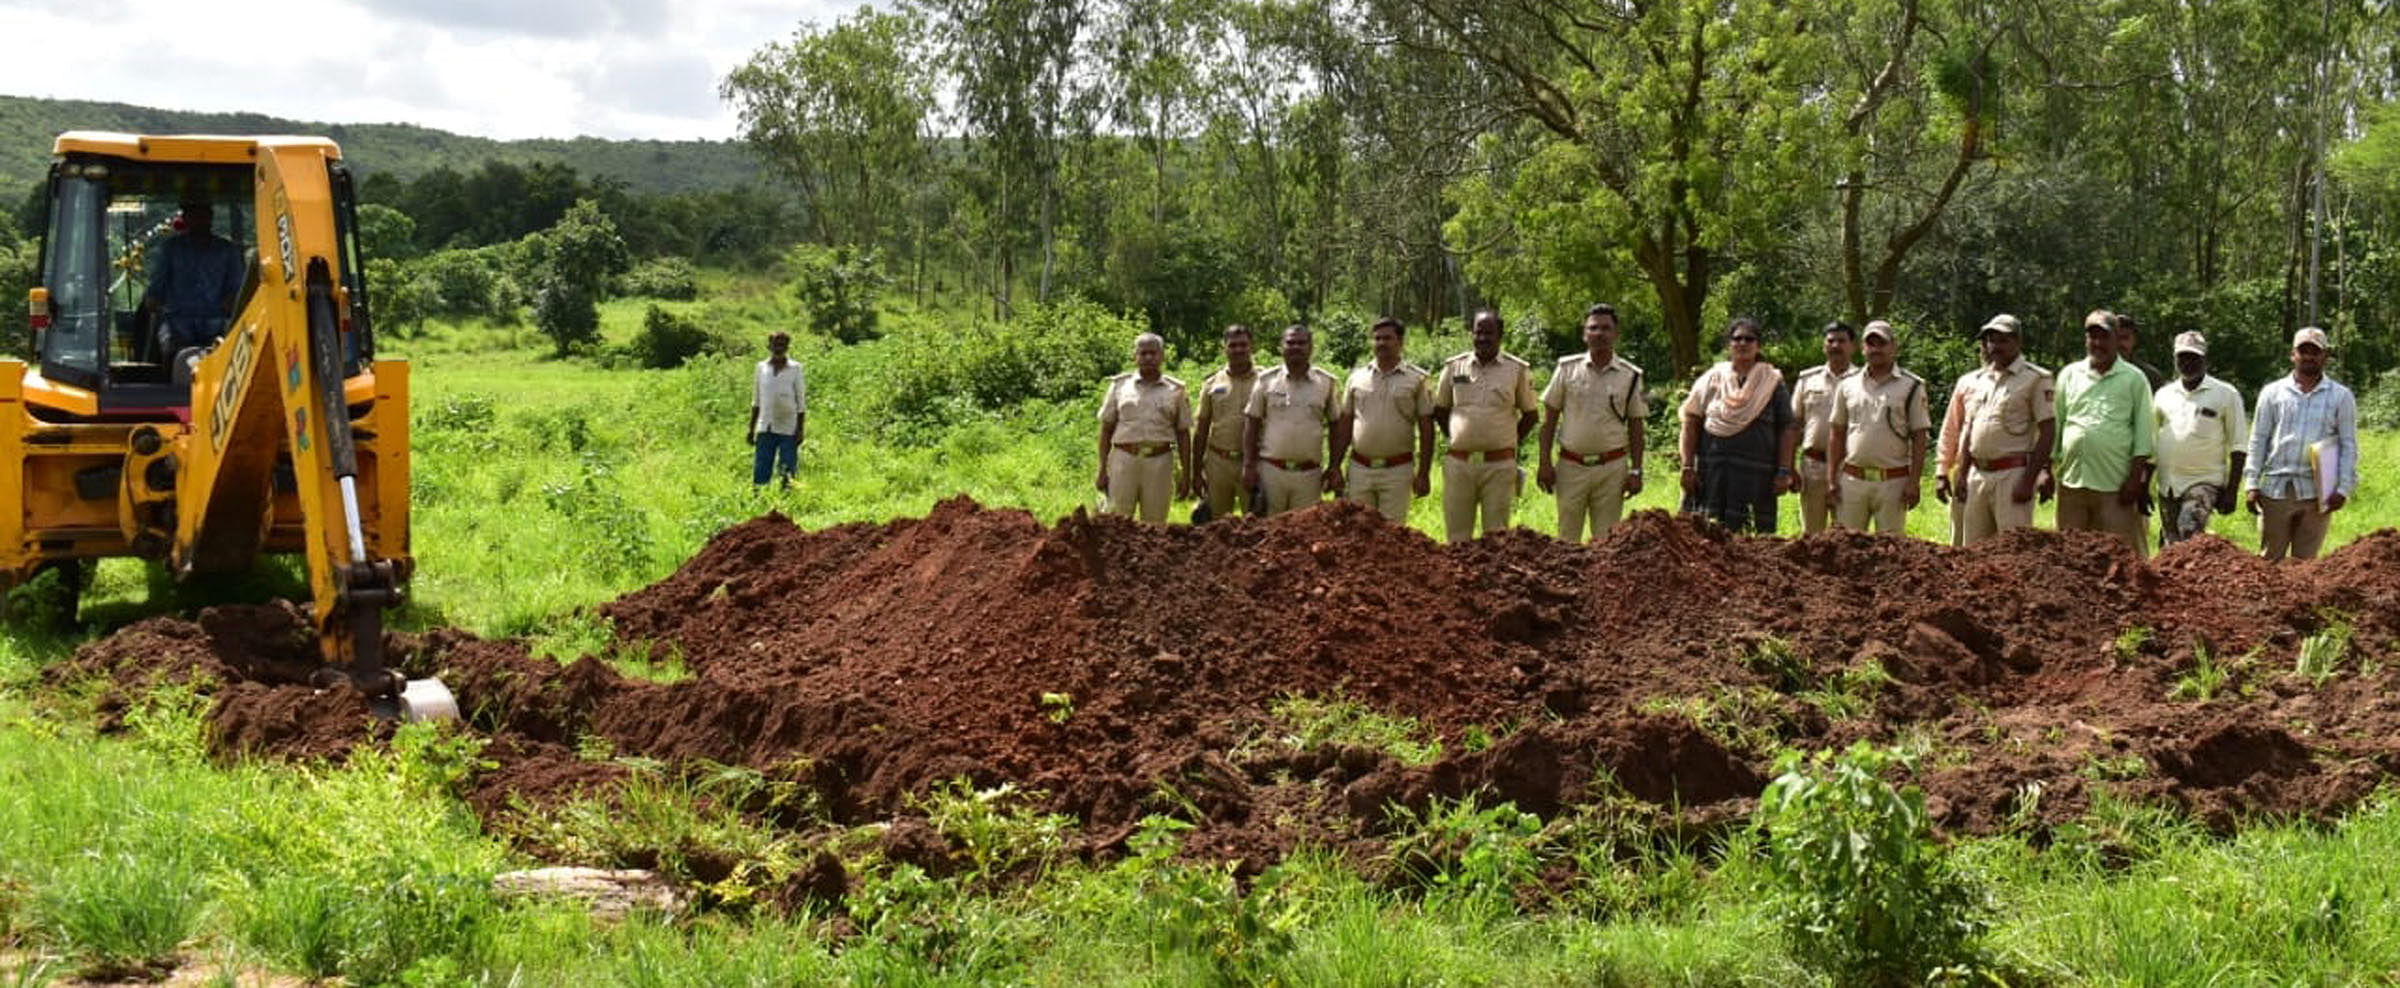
(492,68)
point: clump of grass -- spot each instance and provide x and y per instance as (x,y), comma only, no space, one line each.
(1776,659)
(2129,643)
(2321,654)
(2208,676)
(123,913)
(1851,693)
(1309,722)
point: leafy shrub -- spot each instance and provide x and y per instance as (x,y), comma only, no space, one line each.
(1869,897)
(566,313)
(1058,352)
(668,339)
(1466,851)
(2379,403)
(671,278)
(16,278)
(468,284)
(839,287)
(398,300)
(124,912)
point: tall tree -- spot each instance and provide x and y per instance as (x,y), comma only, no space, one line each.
(842,112)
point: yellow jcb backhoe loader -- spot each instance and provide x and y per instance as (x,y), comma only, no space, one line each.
(199,398)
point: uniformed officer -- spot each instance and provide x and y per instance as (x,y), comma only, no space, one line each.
(1145,434)
(1950,469)
(1879,428)
(1224,402)
(1387,411)
(1291,417)
(2007,428)
(1812,404)
(1473,403)
(1592,411)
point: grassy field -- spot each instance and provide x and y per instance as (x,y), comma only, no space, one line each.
(546,486)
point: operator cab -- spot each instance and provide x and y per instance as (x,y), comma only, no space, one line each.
(146,265)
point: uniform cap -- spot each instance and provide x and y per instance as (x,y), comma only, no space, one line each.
(2191,342)
(2002,323)
(1877,328)
(2310,335)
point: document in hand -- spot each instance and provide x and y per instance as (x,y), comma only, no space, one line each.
(2325,460)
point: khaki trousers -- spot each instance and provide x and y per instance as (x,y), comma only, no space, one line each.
(1596,492)
(1489,487)
(1990,504)
(1223,476)
(1385,489)
(2291,525)
(1958,514)
(1815,509)
(1146,482)
(1290,490)
(2081,509)
(1874,501)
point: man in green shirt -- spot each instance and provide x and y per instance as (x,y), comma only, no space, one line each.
(2106,438)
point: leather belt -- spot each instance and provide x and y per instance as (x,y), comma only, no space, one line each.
(1874,474)
(1230,454)
(1290,464)
(1814,454)
(1593,459)
(2003,463)
(1145,449)
(1379,462)
(1483,455)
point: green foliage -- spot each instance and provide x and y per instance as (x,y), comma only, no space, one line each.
(400,299)
(385,232)
(2208,675)
(124,910)
(2128,645)
(1305,723)
(2379,402)
(1869,897)
(839,287)
(575,261)
(17,277)
(2321,654)
(997,828)
(1463,850)
(468,284)
(712,827)
(670,278)
(1055,353)
(668,338)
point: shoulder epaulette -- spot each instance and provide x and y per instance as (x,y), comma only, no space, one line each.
(1119,377)
(1630,365)
(1173,380)
(1574,358)
(1514,359)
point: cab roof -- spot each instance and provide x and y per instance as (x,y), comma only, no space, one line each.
(182,148)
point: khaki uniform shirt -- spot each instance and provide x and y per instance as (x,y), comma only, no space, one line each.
(1877,418)
(1224,399)
(1953,430)
(1292,412)
(1812,403)
(2198,432)
(2005,409)
(1385,407)
(1595,406)
(1485,401)
(1145,411)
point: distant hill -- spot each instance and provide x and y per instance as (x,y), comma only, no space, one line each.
(28,124)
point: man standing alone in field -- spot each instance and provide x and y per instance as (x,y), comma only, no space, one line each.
(2201,427)
(1877,437)
(1485,404)
(2106,437)
(1216,481)
(1592,414)
(778,413)
(2302,420)
(1143,418)
(1291,423)
(1387,411)
(1812,404)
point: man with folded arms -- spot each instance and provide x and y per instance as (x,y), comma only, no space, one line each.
(1592,415)
(1877,440)
(1291,422)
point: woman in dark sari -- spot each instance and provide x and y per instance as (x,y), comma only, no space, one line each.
(1738,437)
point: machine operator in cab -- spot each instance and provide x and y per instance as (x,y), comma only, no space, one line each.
(194,276)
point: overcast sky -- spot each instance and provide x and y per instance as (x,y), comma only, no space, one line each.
(492,68)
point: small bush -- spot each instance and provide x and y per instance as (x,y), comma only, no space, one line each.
(124,913)
(1869,897)
(1059,352)
(839,286)
(668,339)
(670,278)
(2379,403)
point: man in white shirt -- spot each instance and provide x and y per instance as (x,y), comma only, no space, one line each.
(778,413)
(2203,439)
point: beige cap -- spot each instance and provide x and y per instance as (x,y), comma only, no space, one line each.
(2191,342)
(2100,319)
(2310,335)
(1877,328)
(2003,322)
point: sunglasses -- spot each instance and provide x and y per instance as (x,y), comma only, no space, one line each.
(1745,339)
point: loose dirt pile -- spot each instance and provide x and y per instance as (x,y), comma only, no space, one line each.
(1123,669)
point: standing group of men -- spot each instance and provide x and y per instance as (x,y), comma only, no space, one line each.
(2109,437)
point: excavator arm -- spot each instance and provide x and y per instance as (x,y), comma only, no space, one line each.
(275,387)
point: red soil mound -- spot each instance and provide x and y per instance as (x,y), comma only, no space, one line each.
(1125,669)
